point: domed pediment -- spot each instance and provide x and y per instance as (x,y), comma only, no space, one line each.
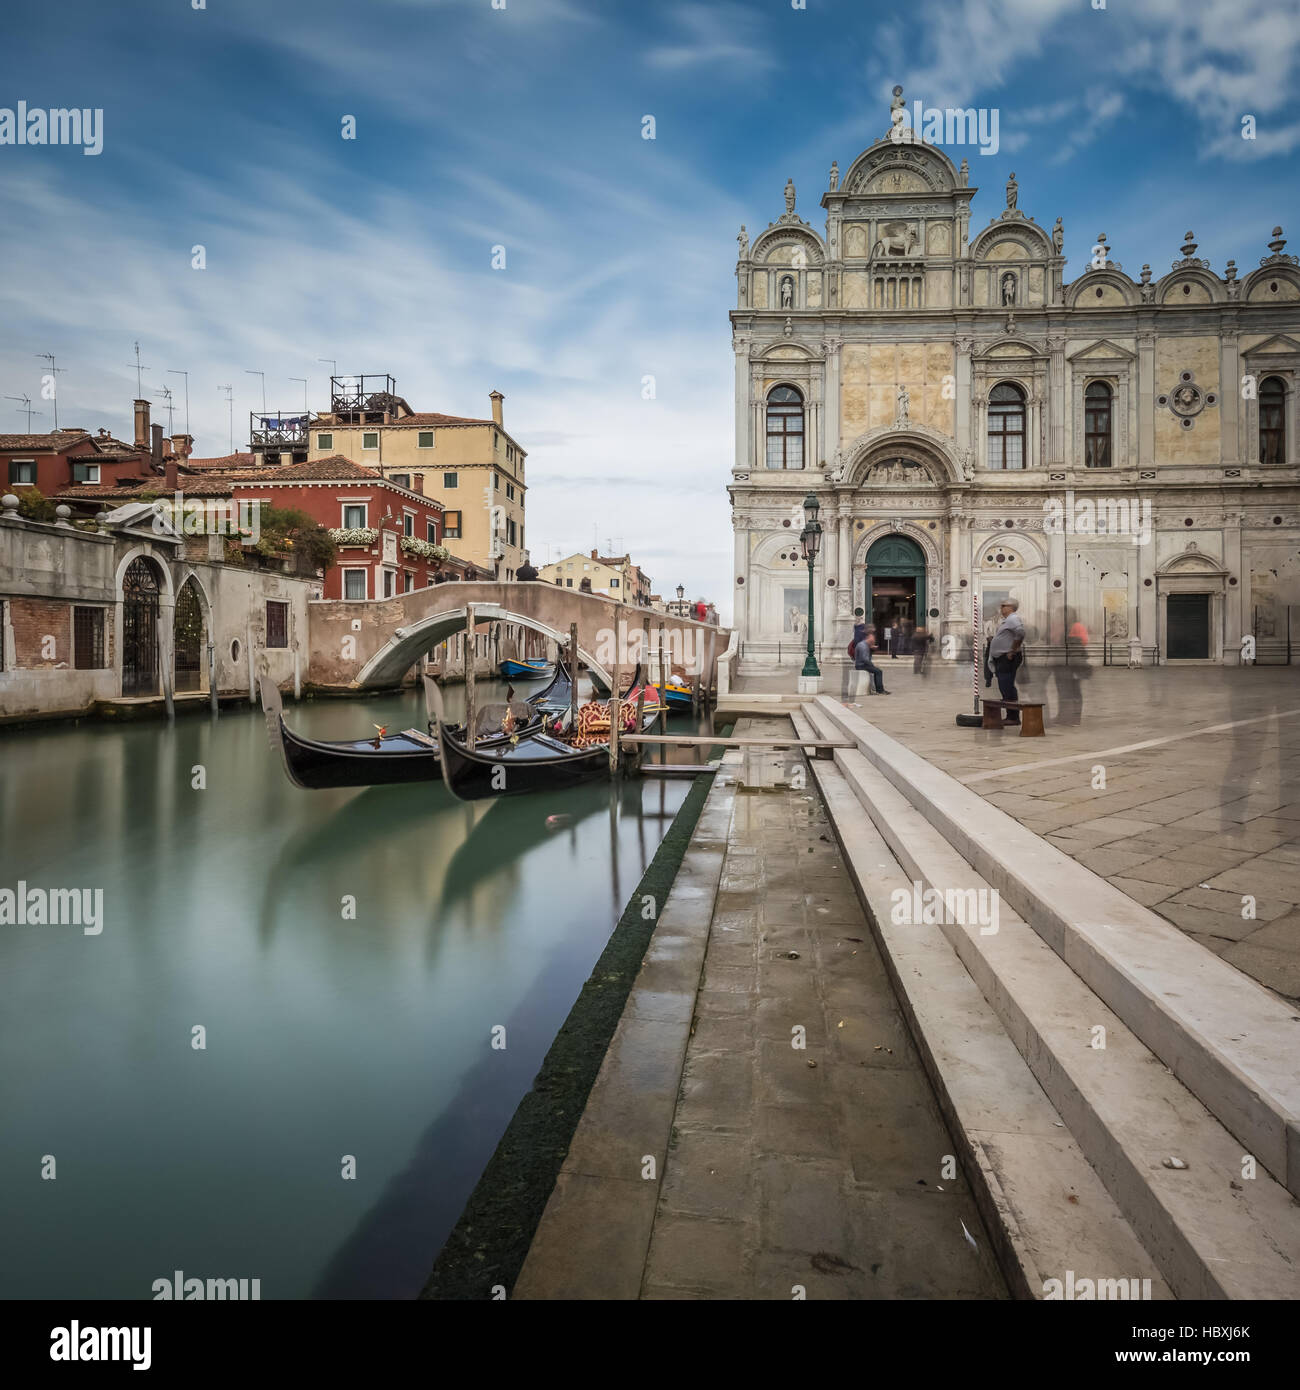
(892,168)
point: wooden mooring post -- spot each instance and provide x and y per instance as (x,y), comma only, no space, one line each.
(645,678)
(573,676)
(615,696)
(469,675)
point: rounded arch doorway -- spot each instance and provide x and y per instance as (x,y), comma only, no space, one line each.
(895,588)
(141,587)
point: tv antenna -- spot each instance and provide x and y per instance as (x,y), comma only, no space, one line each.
(174,371)
(249,372)
(54,394)
(166,394)
(27,406)
(139,370)
(230,401)
(303,379)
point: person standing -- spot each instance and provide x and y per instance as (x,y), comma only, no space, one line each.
(850,686)
(1004,651)
(920,652)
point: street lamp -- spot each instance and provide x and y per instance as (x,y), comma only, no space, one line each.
(681,594)
(810,539)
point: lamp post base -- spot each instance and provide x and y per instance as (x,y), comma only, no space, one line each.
(810,685)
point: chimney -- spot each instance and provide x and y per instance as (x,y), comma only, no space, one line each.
(182,445)
(142,424)
(156,449)
(594,555)
(496,398)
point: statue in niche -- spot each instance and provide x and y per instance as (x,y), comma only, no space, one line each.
(1013,193)
(1058,237)
(835,174)
(742,238)
(789,195)
(1009,288)
(966,459)
(787,292)
(904,400)
(963,174)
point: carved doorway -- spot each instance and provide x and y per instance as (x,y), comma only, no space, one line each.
(140,589)
(895,586)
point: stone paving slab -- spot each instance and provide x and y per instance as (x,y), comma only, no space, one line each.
(1208,794)
(816,1166)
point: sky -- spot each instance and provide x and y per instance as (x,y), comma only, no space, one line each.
(520,124)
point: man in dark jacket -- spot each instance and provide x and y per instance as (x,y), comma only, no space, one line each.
(526,570)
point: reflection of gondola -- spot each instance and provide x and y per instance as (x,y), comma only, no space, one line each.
(387,759)
(550,760)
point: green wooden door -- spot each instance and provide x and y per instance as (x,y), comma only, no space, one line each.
(897,557)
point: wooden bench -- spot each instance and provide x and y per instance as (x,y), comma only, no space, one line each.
(1031,711)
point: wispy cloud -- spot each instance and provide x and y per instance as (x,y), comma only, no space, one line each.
(720,36)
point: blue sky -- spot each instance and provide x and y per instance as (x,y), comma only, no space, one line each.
(522,127)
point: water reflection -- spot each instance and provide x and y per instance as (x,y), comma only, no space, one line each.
(226,902)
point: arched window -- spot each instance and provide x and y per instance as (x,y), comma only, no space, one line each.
(784,428)
(1006,426)
(1097,425)
(1272,420)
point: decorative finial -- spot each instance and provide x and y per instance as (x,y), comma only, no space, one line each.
(1278,242)
(1230,273)
(1189,245)
(1146,274)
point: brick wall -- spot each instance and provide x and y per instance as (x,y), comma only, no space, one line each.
(33,621)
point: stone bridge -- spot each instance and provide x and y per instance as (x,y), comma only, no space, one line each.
(375,642)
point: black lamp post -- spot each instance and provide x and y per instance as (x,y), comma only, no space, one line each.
(681,594)
(810,539)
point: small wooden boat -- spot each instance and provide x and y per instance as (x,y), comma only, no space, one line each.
(387,759)
(553,759)
(676,693)
(530,669)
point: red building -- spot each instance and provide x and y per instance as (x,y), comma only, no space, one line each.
(389,538)
(68,460)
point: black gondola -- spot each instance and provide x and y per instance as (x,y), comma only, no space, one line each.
(540,762)
(390,759)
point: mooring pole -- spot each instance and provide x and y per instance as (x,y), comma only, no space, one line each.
(573,676)
(469,675)
(615,698)
(645,677)
(212,674)
(663,682)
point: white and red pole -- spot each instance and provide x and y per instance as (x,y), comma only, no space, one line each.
(976,635)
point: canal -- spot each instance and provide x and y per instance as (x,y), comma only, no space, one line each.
(347,956)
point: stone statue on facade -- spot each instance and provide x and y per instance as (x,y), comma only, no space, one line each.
(789,195)
(1058,237)
(904,400)
(835,174)
(787,293)
(1013,193)
(835,473)
(897,116)
(742,238)
(1009,288)
(1148,289)
(963,174)
(966,460)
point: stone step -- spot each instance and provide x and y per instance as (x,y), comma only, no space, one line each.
(1214,1232)
(1229,1040)
(1041,1200)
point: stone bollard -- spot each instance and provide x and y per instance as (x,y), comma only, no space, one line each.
(1134,654)
(9,504)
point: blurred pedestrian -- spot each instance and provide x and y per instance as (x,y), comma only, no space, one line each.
(1005,653)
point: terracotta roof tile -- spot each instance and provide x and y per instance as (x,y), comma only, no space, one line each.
(227,462)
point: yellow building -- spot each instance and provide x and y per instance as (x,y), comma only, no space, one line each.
(473,467)
(607,576)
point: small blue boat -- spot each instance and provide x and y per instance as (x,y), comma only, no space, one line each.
(525,670)
(676,694)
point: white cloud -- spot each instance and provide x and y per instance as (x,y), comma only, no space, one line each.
(717,35)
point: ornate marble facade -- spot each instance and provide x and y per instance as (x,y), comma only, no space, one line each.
(892,337)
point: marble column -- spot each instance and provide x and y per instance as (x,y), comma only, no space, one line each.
(1234,624)
(831,396)
(743,413)
(1146,395)
(1059,403)
(1229,399)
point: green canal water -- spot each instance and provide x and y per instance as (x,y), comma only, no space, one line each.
(327,1035)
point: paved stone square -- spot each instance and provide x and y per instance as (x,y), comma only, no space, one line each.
(1192,819)
(819,1166)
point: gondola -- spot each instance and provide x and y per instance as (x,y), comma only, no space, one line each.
(544,761)
(389,759)
(532,669)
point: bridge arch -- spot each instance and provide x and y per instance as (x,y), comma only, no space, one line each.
(408,644)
